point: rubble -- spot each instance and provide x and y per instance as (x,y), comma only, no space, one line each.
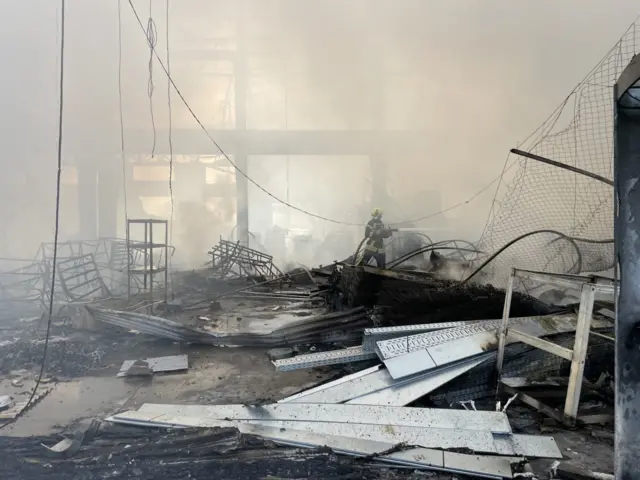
(406,361)
(153,454)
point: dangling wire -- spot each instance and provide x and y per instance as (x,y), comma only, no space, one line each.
(152,40)
(56,230)
(170,137)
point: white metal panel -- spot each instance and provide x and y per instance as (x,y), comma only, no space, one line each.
(409,364)
(466,346)
(169,363)
(496,422)
(483,442)
(407,392)
(318,359)
(329,385)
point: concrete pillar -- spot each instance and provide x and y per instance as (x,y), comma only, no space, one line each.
(87,201)
(379,194)
(241,160)
(627,245)
(109,187)
(378,160)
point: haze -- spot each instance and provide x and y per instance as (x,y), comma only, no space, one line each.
(473,77)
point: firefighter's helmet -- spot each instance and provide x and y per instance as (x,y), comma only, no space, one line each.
(376,213)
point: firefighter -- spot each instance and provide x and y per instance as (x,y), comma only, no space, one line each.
(375,233)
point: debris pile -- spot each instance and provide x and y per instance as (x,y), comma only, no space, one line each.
(386,411)
(152,454)
(416,371)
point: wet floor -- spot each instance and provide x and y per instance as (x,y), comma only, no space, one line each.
(216,376)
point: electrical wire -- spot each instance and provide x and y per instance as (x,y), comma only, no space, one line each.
(253,182)
(170,136)
(152,40)
(465,202)
(222,152)
(122,157)
(57,217)
(206,132)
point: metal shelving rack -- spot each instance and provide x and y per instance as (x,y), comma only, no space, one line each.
(146,248)
(589,287)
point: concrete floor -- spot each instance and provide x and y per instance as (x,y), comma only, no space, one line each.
(215,376)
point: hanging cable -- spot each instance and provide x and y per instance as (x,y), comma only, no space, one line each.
(43,363)
(465,202)
(122,158)
(206,132)
(152,41)
(170,136)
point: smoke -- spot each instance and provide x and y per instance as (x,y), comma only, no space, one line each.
(199,226)
(473,78)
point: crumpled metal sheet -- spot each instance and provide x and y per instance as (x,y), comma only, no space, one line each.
(151,325)
(327,328)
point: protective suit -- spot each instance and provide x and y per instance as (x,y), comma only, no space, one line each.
(375,233)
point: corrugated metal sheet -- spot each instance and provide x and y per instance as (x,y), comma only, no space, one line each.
(328,328)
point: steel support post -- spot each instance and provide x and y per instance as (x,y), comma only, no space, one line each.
(627,244)
(151,272)
(502,334)
(579,353)
(129,262)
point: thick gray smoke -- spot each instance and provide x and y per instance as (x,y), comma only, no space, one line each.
(474,77)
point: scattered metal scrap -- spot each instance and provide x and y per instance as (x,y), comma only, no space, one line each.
(171,363)
(334,357)
(80,278)
(19,407)
(376,432)
(231,261)
(151,325)
(154,454)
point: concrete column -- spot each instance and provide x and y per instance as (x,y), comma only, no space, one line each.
(241,160)
(627,245)
(87,201)
(379,194)
(109,187)
(242,201)
(378,159)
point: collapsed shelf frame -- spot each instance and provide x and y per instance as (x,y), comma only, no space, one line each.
(589,287)
(146,247)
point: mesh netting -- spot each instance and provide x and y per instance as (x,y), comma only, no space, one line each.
(537,196)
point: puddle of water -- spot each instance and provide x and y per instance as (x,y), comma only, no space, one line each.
(68,402)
